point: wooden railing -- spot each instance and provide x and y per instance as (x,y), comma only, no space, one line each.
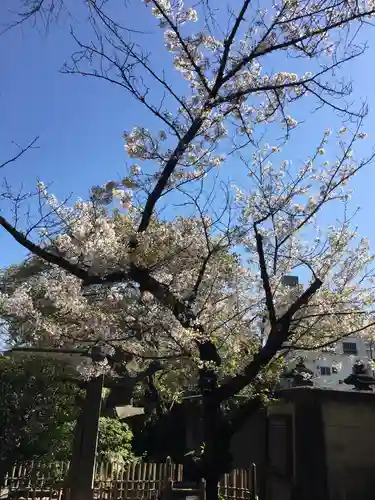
(136,481)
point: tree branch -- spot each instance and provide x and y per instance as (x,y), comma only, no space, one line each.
(21,152)
(257,52)
(265,278)
(227,46)
(167,172)
(279,334)
(279,86)
(301,301)
(58,260)
(174,27)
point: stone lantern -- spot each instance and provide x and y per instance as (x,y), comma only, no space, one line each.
(359,378)
(300,375)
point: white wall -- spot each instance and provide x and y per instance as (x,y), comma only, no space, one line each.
(314,360)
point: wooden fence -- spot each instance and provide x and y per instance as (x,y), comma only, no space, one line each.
(137,481)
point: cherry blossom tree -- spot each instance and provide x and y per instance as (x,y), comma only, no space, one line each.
(184,297)
(199,285)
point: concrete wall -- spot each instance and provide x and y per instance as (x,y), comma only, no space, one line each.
(280,451)
(248,445)
(333,441)
(350,449)
(284,408)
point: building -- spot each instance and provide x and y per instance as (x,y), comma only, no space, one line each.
(330,366)
(319,445)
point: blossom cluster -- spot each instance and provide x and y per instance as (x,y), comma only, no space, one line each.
(232,93)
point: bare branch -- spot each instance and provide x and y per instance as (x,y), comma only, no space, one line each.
(40,252)
(261,51)
(279,334)
(23,150)
(331,342)
(228,42)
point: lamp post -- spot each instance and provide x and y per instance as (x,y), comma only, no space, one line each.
(82,469)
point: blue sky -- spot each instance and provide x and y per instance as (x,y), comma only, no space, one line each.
(80,120)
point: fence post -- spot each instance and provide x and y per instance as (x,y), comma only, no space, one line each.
(168,471)
(202,489)
(254,481)
(169,486)
(166,493)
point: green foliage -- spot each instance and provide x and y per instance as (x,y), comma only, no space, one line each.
(115,441)
(60,447)
(36,404)
(38,412)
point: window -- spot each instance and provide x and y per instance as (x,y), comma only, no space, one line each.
(349,348)
(325,370)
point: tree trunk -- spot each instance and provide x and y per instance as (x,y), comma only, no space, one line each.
(212,486)
(216,456)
